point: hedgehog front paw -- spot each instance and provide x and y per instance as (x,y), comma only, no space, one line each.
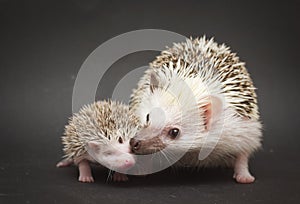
(85,174)
(86,179)
(120,177)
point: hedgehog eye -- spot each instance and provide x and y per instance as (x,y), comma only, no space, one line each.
(120,140)
(147,118)
(173,133)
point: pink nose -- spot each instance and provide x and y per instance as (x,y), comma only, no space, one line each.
(128,163)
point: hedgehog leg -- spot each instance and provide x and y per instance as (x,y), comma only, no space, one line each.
(120,177)
(241,171)
(85,173)
(64,163)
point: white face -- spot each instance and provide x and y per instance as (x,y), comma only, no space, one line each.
(176,124)
(176,114)
(114,155)
(162,124)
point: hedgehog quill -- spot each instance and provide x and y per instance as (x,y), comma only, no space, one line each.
(208,101)
(100,133)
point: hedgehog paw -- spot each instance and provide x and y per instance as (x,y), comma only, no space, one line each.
(85,174)
(241,171)
(245,177)
(64,163)
(86,179)
(120,177)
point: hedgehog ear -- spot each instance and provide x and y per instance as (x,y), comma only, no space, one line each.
(93,146)
(153,82)
(212,110)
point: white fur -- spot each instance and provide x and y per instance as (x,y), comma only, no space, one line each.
(181,97)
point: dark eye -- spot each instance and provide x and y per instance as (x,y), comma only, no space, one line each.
(147,117)
(120,140)
(173,133)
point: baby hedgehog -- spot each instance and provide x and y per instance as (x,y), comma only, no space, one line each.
(100,132)
(199,100)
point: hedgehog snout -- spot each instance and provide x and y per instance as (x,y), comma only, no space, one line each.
(129,163)
(125,161)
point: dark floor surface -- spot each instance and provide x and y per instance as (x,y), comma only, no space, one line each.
(44,43)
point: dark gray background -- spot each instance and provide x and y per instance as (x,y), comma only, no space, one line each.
(44,43)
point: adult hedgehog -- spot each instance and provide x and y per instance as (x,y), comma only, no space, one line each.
(198,98)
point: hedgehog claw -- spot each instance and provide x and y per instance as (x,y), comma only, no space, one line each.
(86,179)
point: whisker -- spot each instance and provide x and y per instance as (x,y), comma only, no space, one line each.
(164,154)
(174,159)
(109,176)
